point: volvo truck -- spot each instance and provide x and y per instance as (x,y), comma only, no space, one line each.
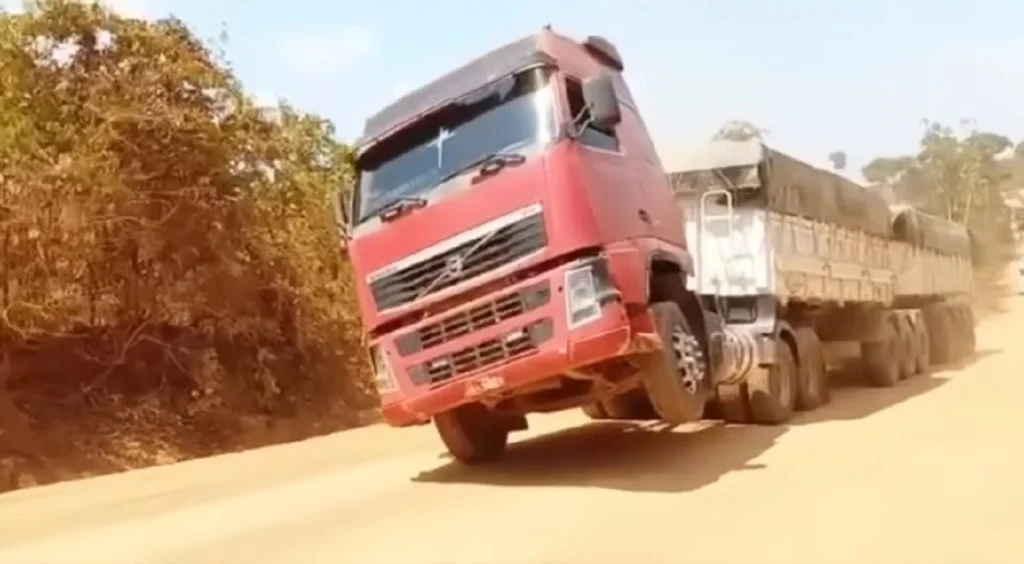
(520,247)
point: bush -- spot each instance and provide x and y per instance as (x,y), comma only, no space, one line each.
(158,231)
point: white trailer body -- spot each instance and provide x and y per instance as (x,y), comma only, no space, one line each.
(747,252)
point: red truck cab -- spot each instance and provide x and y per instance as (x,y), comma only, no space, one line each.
(508,224)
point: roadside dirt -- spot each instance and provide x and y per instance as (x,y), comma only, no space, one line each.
(925,472)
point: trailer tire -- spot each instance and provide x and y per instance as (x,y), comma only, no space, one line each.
(595,411)
(677,396)
(965,326)
(938,322)
(959,332)
(881,359)
(971,328)
(813,389)
(472,433)
(923,356)
(907,348)
(772,391)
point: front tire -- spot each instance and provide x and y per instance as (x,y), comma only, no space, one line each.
(472,433)
(595,411)
(676,376)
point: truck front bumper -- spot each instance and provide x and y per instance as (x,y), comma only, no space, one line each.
(534,345)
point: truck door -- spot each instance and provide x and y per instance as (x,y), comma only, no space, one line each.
(619,202)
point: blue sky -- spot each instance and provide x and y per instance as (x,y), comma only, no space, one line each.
(819,75)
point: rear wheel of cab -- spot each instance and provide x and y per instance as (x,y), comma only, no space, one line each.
(772,392)
(595,411)
(630,405)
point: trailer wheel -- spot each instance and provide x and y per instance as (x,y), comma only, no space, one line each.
(595,411)
(972,335)
(958,333)
(772,392)
(938,322)
(676,376)
(923,356)
(472,434)
(907,348)
(881,359)
(813,389)
(966,337)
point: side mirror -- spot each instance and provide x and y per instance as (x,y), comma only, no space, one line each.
(599,96)
(342,203)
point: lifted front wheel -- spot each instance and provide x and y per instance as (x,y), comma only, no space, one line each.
(472,433)
(676,376)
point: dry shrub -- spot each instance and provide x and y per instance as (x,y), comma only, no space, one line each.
(159,234)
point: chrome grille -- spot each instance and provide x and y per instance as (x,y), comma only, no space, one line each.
(488,252)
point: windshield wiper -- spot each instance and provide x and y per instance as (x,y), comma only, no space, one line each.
(491,163)
(395,208)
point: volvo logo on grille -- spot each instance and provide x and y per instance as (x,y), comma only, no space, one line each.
(453,266)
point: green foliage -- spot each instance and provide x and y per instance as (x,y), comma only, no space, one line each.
(962,176)
(143,195)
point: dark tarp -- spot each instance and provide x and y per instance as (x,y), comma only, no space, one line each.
(918,228)
(781,183)
(760,176)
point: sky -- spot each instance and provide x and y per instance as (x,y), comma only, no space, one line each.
(819,75)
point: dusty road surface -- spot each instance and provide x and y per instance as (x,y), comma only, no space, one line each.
(926,472)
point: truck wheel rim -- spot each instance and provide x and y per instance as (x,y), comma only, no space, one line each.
(689,359)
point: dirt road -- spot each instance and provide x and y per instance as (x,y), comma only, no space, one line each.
(926,472)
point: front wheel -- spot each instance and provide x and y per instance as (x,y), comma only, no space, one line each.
(472,433)
(676,377)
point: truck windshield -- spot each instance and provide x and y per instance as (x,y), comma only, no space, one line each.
(513,115)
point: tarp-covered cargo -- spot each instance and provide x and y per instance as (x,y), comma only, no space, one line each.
(759,175)
(917,228)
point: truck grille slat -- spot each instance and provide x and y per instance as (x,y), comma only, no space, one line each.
(479,317)
(508,244)
(514,344)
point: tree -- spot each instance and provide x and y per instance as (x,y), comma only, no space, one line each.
(838,159)
(959,176)
(740,130)
(145,201)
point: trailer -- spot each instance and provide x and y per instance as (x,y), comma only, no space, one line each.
(784,249)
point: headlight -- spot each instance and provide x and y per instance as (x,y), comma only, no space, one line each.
(581,299)
(383,375)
